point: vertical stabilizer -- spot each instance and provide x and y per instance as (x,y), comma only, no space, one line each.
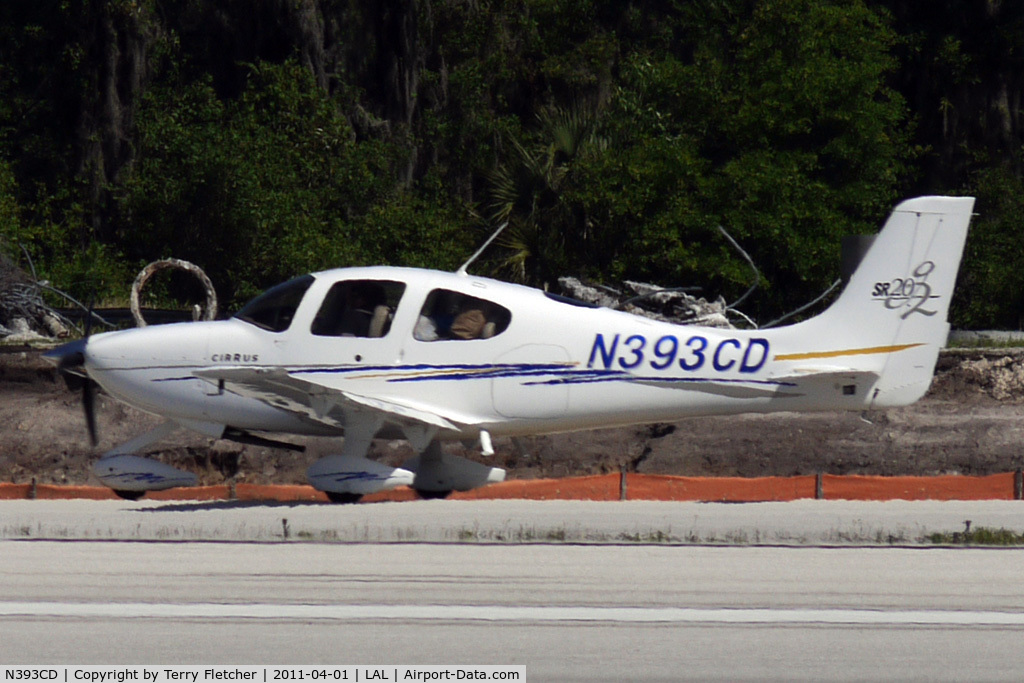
(892,317)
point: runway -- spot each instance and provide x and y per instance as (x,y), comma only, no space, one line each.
(565,611)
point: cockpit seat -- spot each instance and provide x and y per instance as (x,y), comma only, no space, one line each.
(379,321)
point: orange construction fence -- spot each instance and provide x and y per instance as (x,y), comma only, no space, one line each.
(606,487)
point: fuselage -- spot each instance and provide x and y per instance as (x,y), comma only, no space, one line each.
(497,356)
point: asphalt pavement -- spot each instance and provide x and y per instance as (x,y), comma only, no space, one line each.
(566,612)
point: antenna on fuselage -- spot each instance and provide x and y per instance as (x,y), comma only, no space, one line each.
(464,266)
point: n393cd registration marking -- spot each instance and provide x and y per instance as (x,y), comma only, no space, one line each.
(670,352)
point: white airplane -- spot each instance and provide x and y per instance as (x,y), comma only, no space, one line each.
(432,357)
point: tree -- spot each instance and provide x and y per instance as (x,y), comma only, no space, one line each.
(548,234)
(990,290)
(771,119)
(267,137)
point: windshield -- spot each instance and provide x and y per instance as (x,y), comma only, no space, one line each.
(274,309)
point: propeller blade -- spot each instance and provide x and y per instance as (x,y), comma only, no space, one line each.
(70,362)
(89,386)
(73,381)
(88,403)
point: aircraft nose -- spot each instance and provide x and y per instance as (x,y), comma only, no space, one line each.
(182,343)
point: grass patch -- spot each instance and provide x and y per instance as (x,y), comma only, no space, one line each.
(984,536)
(968,344)
(650,538)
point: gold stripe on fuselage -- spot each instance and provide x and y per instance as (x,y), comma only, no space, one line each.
(871,350)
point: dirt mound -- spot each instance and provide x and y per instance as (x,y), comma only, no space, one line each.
(969,423)
(996,373)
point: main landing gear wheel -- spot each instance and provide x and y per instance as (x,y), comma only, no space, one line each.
(432,495)
(129,495)
(344,498)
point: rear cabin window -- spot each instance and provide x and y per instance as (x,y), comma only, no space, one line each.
(448,315)
(274,309)
(358,308)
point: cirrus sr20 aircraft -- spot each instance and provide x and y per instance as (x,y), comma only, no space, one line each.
(432,357)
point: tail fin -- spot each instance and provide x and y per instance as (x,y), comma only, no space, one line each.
(891,318)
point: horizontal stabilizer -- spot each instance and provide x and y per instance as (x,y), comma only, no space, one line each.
(720,387)
(802,376)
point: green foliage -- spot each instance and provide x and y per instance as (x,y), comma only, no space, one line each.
(983,536)
(10,221)
(421,228)
(264,139)
(789,108)
(548,234)
(777,125)
(990,290)
(49,236)
(254,190)
(52,96)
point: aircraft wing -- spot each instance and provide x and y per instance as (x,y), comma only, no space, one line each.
(277,387)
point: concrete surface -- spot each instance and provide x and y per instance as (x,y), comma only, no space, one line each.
(802,522)
(565,612)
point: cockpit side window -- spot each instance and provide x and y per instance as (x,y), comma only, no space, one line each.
(358,308)
(452,315)
(274,309)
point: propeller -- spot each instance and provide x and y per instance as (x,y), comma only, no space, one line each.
(71,366)
(89,405)
(89,386)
